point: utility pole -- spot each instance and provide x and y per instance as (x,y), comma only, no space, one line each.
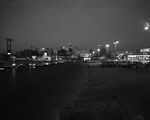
(9,40)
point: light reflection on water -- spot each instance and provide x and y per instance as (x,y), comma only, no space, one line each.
(14,80)
(31,69)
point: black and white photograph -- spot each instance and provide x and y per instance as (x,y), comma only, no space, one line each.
(74,59)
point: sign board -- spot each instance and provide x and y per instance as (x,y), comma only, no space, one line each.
(145,50)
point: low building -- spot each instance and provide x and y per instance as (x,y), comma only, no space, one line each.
(140,56)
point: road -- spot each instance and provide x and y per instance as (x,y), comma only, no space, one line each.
(38,93)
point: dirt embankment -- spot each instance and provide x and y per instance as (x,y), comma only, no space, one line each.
(112,93)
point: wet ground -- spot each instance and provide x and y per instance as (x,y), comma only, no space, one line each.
(39,93)
(112,94)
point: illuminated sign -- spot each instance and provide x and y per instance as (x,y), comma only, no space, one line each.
(145,50)
(84,55)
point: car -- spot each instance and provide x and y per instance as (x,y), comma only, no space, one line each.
(123,64)
(94,63)
(54,62)
(105,64)
(108,64)
(31,64)
(39,64)
(138,65)
(147,64)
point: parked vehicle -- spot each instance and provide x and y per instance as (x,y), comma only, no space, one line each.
(147,64)
(138,65)
(123,64)
(108,64)
(60,61)
(47,63)
(31,64)
(94,63)
(129,64)
(39,64)
(54,62)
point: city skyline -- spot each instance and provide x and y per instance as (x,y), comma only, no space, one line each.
(84,24)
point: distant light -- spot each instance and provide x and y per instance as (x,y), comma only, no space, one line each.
(33,57)
(13,64)
(1,68)
(46,63)
(98,49)
(107,45)
(116,42)
(147,26)
(9,53)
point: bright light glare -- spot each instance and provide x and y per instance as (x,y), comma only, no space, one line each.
(107,45)
(9,53)
(1,68)
(13,64)
(147,26)
(46,63)
(116,42)
(98,49)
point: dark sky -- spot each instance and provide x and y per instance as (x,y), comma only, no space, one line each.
(83,23)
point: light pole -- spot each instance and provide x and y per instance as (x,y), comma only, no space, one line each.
(115,43)
(147,28)
(98,51)
(107,49)
(93,53)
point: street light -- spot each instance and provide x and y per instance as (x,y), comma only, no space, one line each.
(93,53)
(115,43)
(98,51)
(147,28)
(107,49)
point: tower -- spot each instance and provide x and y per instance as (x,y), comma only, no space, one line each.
(9,40)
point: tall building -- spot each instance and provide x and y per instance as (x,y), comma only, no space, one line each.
(70,49)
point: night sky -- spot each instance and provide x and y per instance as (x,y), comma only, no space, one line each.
(83,23)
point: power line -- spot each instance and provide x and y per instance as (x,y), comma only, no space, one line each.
(130,33)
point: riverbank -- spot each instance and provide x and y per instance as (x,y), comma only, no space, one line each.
(111,93)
